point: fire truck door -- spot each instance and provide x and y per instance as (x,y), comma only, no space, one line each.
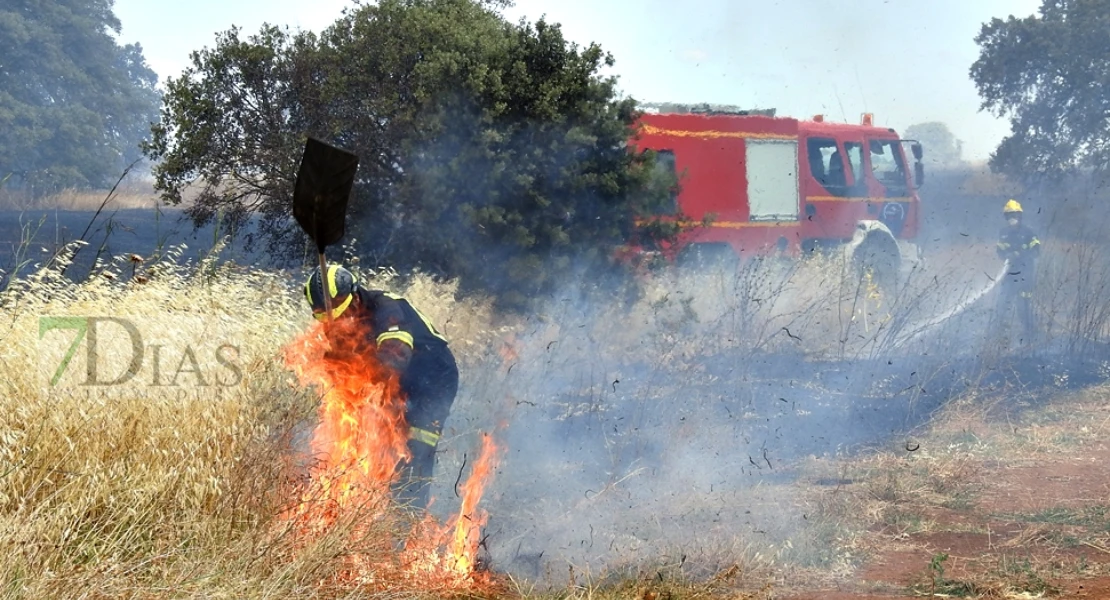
(772,169)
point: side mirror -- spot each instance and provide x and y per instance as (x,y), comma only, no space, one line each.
(919,174)
(917,150)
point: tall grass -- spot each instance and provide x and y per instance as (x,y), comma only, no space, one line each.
(1073,296)
(111,490)
(137,490)
(823,309)
(818,307)
(144,491)
(131,193)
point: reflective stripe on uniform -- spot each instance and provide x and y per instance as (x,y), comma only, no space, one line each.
(424,436)
(403,336)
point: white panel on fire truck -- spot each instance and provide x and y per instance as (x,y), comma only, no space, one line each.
(772,180)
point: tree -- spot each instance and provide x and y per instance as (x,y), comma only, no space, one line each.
(74,105)
(1050,74)
(490,151)
(942,149)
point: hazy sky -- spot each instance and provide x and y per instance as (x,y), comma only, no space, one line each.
(906,61)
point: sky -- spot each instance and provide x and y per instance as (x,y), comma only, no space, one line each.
(905,61)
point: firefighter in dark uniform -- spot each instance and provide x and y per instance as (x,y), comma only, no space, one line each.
(1019,246)
(409,343)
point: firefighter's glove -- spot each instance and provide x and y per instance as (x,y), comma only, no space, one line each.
(395,354)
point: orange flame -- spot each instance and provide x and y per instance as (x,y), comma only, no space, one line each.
(362,434)
(360,439)
(451,551)
(469,522)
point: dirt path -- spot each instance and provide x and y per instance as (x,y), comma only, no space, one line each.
(1027,517)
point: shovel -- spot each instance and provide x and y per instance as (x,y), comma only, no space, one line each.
(320,196)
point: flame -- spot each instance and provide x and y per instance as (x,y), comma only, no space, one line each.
(361,438)
(362,434)
(469,522)
(451,551)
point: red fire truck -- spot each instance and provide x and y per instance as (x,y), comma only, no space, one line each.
(770,184)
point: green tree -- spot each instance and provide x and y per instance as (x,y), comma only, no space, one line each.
(74,104)
(1050,74)
(492,151)
(942,149)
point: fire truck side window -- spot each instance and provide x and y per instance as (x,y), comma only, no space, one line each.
(889,167)
(826,165)
(855,160)
(666,169)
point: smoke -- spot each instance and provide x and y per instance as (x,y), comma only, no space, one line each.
(667,430)
(645,432)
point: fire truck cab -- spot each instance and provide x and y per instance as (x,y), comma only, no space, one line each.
(767,184)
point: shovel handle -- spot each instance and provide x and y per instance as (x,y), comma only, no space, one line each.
(324,285)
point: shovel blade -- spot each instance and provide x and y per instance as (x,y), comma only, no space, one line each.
(324,183)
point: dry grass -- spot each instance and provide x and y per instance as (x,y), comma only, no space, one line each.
(818,307)
(658,584)
(140,490)
(894,501)
(131,193)
(815,306)
(119,490)
(137,490)
(1073,287)
(474,329)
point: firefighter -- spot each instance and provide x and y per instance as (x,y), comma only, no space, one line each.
(409,343)
(1019,247)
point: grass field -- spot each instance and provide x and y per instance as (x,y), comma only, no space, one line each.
(131,193)
(684,446)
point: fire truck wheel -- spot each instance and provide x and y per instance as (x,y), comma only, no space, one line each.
(879,253)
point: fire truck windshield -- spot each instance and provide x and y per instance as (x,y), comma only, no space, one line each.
(889,166)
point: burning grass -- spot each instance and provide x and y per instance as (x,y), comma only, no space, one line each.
(165,483)
(147,490)
(178,474)
(361,439)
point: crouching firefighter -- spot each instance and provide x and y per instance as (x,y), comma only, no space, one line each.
(1019,247)
(407,342)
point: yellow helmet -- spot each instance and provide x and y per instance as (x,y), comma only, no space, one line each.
(1011,207)
(341,284)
